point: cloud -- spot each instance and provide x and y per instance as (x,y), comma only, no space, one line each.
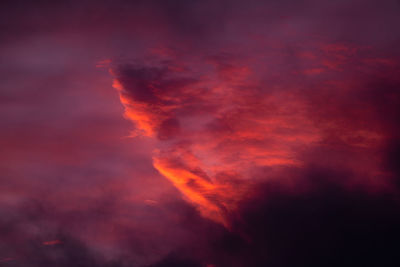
(257,125)
(213,113)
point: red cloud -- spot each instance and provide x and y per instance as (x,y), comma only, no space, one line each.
(218,116)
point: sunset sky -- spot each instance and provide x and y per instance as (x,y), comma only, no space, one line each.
(199,133)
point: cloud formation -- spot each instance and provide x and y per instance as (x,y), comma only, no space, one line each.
(265,133)
(220,121)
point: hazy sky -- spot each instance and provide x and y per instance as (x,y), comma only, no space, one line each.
(199,133)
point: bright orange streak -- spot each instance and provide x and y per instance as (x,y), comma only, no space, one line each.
(195,188)
(136,112)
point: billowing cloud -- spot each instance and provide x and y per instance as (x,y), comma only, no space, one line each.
(220,121)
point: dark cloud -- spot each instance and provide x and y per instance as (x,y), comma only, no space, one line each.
(176,261)
(325,225)
(30,238)
(151,85)
(328,226)
(168,128)
(392,160)
(140,83)
(35,233)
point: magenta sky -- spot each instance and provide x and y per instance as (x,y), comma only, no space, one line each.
(199,133)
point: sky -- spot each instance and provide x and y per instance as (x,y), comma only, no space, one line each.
(199,133)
